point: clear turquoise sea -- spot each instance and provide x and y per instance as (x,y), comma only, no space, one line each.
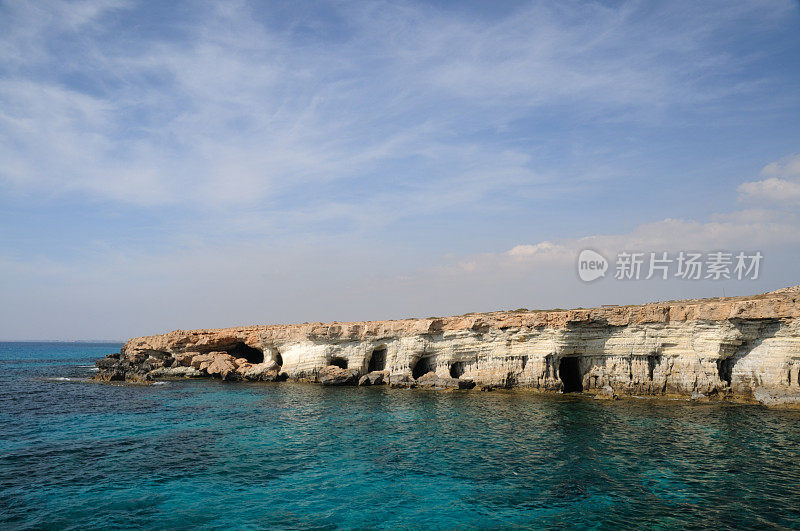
(214,455)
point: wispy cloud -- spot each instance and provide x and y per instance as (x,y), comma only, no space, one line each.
(230,109)
(320,161)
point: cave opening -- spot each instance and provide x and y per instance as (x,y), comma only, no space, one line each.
(423,366)
(653,361)
(725,369)
(457,369)
(241,350)
(377,362)
(339,362)
(277,358)
(570,373)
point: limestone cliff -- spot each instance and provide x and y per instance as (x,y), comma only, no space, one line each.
(737,347)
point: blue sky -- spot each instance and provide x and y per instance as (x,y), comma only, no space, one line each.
(182,165)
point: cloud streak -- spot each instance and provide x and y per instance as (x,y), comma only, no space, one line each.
(235,111)
(251,162)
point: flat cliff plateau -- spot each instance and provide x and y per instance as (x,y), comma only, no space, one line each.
(740,348)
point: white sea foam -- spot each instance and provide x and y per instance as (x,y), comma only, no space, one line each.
(65,379)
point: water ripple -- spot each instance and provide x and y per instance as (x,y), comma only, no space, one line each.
(221,455)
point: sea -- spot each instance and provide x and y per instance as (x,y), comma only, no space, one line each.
(75,454)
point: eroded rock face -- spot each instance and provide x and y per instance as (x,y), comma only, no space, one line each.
(373,378)
(334,375)
(744,347)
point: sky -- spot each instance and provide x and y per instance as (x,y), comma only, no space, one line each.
(186,165)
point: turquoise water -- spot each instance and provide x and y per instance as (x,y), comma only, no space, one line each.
(218,455)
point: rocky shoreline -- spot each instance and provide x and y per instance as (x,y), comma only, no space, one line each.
(740,348)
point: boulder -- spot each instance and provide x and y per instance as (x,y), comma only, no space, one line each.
(260,372)
(402,380)
(118,370)
(432,380)
(223,367)
(606,393)
(466,382)
(219,364)
(201,361)
(333,375)
(185,358)
(373,378)
(428,379)
(447,383)
(107,363)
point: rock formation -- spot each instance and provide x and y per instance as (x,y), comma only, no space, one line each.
(736,347)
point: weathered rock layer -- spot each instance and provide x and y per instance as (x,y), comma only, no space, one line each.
(737,347)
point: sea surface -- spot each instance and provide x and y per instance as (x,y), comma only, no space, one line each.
(210,454)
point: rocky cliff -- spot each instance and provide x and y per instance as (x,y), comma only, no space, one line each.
(737,347)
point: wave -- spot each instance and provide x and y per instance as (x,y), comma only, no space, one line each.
(65,379)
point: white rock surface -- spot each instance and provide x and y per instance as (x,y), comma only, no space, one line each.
(744,347)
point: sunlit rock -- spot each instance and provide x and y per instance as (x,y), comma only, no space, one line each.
(738,347)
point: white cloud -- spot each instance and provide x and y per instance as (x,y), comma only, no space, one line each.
(781,184)
(234,112)
(772,189)
(741,230)
(539,250)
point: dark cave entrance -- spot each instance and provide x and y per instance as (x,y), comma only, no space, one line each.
(277,358)
(725,369)
(570,373)
(251,354)
(339,362)
(457,369)
(653,361)
(423,366)
(377,362)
